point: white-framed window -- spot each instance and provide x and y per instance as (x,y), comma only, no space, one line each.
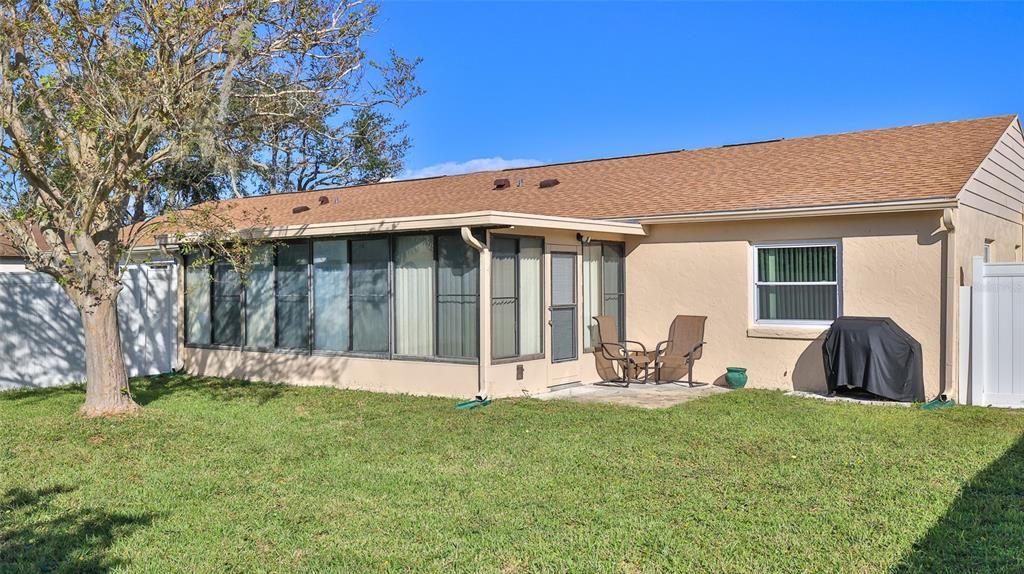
(797,283)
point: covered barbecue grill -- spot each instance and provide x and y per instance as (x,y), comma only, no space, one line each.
(873,354)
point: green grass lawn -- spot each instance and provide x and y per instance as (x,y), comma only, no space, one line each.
(227,476)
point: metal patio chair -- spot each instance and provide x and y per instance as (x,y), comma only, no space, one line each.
(616,362)
(673,358)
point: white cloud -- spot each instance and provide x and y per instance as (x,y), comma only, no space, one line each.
(470,166)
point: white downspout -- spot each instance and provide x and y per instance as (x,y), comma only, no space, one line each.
(952,296)
(484,346)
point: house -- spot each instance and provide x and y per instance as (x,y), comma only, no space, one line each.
(486,283)
(10,261)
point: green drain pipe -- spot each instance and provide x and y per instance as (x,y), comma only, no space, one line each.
(477,402)
(938,403)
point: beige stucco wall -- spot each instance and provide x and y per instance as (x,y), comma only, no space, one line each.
(892,266)
(411,377)
(975,227)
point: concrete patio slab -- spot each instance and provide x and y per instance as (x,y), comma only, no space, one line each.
(643,396)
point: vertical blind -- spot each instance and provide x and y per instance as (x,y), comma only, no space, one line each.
(531,286)
(797,283)
(504,301)
(414,295)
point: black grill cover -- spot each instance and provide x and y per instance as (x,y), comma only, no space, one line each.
(876,355)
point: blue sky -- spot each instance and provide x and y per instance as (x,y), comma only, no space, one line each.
(551,82)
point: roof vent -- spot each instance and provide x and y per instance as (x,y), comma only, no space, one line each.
(519,182)
(502,183)
(300,209)
(324,200)
(548,183)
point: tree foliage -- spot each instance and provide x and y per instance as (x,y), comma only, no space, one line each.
(112,112)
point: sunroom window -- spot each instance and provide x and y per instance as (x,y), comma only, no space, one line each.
(415,272)
(400,296)
(796,284)
(516,287)
(227,305)
(603,288)
(198,329)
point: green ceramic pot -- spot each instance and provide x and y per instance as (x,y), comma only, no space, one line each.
(736,377)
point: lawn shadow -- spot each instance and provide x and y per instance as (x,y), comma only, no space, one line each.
(41,394)
(984,528)
(36,536)
(151,389)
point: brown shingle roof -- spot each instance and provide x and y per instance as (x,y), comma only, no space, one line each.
(6,249)
(916,162)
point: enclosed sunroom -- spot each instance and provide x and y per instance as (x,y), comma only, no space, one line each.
(496,304)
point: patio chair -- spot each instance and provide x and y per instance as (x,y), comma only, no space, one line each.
(674,357)
(616,362)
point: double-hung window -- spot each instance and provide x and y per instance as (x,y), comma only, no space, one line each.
(516,296)
(797,283)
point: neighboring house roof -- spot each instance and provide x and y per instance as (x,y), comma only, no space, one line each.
(907,163)
(6,249)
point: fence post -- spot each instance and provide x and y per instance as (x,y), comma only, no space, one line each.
(979,293)
(964,383)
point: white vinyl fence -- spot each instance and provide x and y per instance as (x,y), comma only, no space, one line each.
(992,335)
(41,331)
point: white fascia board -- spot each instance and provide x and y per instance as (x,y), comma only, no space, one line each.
(444,221)
(813,211)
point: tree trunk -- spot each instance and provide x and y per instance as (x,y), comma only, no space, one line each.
(106,385)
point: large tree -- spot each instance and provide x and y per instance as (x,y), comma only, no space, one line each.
(113,112)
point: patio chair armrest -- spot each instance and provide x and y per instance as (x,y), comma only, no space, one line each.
(643,348)
(694,350)
(661,347)
(608,355)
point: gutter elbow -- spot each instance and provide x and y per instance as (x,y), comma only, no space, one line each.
(467,236)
